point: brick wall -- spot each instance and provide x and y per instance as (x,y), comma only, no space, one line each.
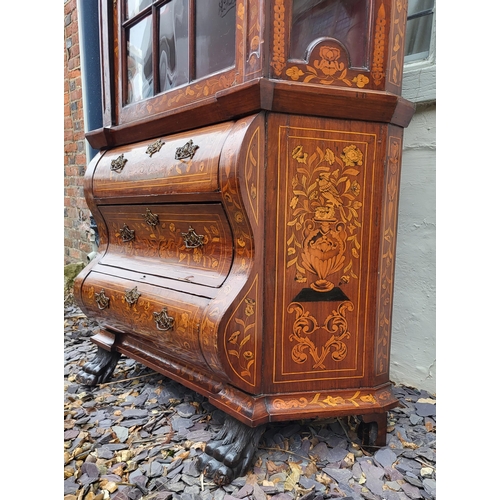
(76,214)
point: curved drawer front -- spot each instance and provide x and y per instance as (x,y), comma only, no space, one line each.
(181,163)
(184,242)
(167,318)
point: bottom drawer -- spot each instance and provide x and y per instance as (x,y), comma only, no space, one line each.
(167,318)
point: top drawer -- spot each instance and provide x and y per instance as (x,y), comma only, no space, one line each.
(181,163)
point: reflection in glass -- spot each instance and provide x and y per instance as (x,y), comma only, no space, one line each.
(215,35)
(139,61)
(173,45)
(133,7)
(416,6)
(418,29)
(344,20)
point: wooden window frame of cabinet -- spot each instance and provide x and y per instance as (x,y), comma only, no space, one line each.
(263,78)
(114,24)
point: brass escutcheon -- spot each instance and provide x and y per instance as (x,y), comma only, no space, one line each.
(154,148)
(101,299)
(193,240)
(132,296)
(163,321)
(118,163)
(151,218)
(187,151)
(126,233)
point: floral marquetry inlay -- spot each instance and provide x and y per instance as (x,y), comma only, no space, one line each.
(388,254)
(278,60)
(240,337)
(326,400)
(324,218)
(328,65)
(397,55)
(378,51)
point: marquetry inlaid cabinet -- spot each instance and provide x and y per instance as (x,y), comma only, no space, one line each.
(246,198)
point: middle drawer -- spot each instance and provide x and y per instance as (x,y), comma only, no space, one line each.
(183,242)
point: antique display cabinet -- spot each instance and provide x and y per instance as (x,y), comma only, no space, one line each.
(246,197)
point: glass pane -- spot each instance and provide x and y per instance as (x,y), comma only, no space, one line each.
(418,37)
(344,20)
(215,35)
(139,61)
(133,7)
(415,6)
(173,45)
(418,29)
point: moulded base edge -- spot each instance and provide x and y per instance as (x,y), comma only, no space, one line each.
(255,410)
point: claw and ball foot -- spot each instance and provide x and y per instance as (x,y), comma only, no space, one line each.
(99,369)
(230,454)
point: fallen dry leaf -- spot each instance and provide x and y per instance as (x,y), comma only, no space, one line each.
(294,476)
(272,468)
(124,455)
(111,487)
(311,469)
(69,424)
(349,459)
(407,444)
(324,478)
(182,456)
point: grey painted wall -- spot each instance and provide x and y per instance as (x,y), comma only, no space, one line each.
(413,350)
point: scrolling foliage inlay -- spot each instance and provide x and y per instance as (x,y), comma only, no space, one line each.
(397,55)
(305,325)
(328,64)
(241,342)
(388,252)
(323,217)
(326,400)
(324,222)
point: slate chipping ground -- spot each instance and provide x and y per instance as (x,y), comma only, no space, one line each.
(136,438)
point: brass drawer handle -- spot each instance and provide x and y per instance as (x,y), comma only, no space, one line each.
(187,151)
(193,240)
(151,218)
(126,233)
(101,299)
(163,321)
(132,296)
(154,148)
(118,163)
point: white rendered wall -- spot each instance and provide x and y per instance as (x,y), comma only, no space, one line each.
(413,349)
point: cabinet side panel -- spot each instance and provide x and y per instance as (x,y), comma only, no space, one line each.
(327,177)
